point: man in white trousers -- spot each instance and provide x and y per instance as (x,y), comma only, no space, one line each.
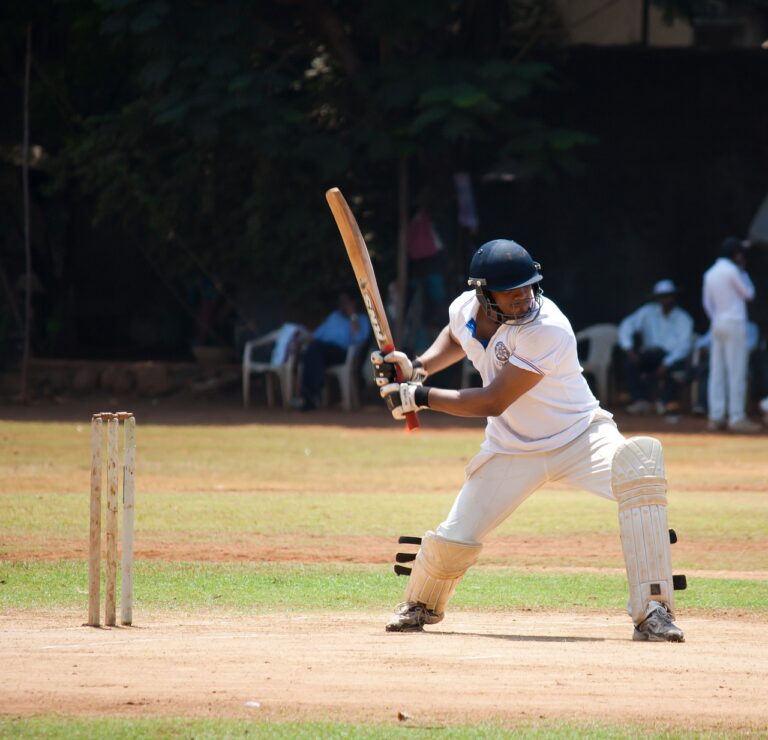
(544,425)
(727,288)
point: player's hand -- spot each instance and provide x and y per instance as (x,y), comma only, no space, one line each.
(384,368)
(403,398)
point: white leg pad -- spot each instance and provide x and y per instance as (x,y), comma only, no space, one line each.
(640,487)
(437,570)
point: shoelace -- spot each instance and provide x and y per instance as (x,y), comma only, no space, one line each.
(663,615)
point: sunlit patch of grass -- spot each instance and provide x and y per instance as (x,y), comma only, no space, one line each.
(159,585)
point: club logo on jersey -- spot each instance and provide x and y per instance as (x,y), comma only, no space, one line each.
(370,308)
(501,351)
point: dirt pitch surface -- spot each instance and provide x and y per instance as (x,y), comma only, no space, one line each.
(519,666)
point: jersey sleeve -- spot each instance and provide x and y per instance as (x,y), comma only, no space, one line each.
(543,349)
(457,312)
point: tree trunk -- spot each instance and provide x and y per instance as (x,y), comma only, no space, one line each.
(25,393)
(402,252)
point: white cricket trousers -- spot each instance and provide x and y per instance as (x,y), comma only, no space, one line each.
(727,383)
(496,484)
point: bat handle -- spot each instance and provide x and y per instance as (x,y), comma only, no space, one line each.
(411,418)
(412,421)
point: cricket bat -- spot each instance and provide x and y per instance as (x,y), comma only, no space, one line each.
(360,260)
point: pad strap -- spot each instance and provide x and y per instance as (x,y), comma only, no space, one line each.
(437,570)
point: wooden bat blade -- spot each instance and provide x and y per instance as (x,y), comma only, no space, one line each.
(360,259)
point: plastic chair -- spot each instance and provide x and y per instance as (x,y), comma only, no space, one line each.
(346,376)
(284,372)
(602,339)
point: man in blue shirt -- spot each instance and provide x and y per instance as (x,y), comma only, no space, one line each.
(657,340)
(342,328)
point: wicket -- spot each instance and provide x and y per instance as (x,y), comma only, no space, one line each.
(94,551)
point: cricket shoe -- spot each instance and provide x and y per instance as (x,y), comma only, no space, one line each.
(658,627)
(411,617)
(744,426)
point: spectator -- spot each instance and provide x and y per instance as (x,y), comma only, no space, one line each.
(328,346)
(727,288)
(424,245)
(700,368)
(656,340)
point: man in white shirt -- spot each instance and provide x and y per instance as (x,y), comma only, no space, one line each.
(657,340)
(544,425)
(727,288)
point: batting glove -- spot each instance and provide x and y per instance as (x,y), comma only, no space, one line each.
(402,398)
(384,368)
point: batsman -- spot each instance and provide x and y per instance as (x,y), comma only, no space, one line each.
(544,425)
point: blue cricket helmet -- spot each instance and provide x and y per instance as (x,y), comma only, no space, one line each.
(502,264)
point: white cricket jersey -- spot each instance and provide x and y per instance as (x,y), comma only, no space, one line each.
(726,290)
(559,407)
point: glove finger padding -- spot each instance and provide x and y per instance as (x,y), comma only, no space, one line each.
(411,370)
(401,360)
(384,372)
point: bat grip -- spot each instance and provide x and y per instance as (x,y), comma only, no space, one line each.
(411,419)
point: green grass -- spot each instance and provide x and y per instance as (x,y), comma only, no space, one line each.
(701,519)
(213,485)
(295,587)
(202,729)
(561,512)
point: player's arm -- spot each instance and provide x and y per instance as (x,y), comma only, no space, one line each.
(492,400)
(442,353)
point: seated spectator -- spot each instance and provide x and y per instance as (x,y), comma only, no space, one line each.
(656,340)
(328,346)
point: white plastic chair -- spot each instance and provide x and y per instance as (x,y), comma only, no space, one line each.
(284,372)
(602,339)
(345,375)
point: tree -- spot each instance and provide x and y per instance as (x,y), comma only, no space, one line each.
(234,117)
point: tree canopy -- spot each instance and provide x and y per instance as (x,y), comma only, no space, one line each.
(210,130)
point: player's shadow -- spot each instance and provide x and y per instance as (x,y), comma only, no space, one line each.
(520,638)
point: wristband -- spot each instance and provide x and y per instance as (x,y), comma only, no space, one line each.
(421,396)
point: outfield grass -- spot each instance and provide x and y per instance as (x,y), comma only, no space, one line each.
(212,485)
(297,587)
(54,458)
(702,515)
(202,729)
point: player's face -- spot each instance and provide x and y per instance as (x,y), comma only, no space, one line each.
(516,303)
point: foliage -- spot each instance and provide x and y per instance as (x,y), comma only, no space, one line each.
(225,121)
